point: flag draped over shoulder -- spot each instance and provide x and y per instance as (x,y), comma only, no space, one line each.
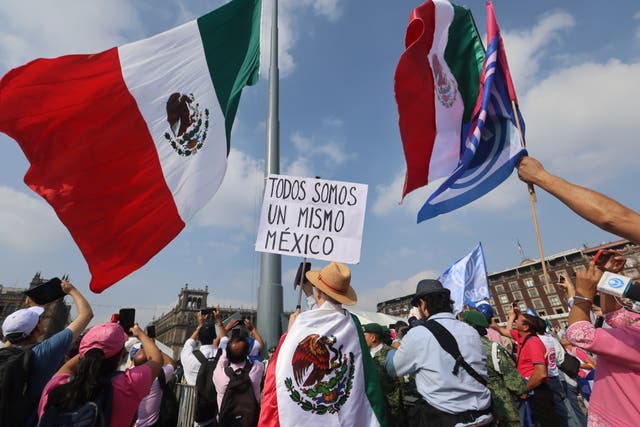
(128,144)
(467,279)
(489,152)
(322,375)
(436,86)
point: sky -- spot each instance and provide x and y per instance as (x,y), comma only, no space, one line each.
(575,65)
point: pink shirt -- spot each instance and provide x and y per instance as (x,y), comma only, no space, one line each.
(616,387)
(128,390)
(149,409)
(220,378)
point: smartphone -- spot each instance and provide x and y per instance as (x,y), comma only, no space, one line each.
(515,303)
(151,331)
(206,311)
(235,316)
(126,318)
(561,279)
(301,274)
(602,257)
(47,292)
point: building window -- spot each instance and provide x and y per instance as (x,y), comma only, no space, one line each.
(542,313)
(506,309)
(579,268)
(514,286)
(542,281)
(554,300)
(523,307)
(529,283)
(517,295)
(504,299)
(533,292)
(559,311)
(537,304)
(499,289)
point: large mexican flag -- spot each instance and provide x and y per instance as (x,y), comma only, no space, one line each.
(128,144)
(322,375)
(436,87)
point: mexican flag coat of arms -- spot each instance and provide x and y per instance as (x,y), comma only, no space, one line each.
(322,374)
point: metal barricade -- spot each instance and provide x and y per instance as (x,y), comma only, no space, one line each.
(186,395)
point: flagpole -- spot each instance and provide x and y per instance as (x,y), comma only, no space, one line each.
(532,202)
(270,291)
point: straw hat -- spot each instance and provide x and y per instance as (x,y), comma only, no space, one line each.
(334,280)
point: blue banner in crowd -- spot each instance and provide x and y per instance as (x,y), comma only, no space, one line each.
(467,279)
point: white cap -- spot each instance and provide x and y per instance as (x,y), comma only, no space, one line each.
(22,321)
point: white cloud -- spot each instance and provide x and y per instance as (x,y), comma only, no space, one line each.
(315,153)
(237,203)
(28,224)
(326,8)
(368,299)
(332,121)
(584,118)
(289,12)
(387,197)
(526,49)
(33,28)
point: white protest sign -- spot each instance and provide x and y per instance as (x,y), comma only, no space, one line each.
(312,218)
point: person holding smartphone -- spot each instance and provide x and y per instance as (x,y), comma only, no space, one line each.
(24,328)
(617,377)
(205,335)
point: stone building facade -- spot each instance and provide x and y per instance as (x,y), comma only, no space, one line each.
(525,283)
(55,317)
(173,328)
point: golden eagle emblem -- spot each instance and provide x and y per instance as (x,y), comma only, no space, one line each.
(188,125)
(323,374)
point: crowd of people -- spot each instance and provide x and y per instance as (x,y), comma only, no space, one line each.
(439,368)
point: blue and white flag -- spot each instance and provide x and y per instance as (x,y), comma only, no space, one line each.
(490,152)
(467,279)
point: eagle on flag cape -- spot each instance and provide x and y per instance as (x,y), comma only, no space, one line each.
(128,144)
(322,371)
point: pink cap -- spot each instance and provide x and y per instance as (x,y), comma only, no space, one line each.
(108,337)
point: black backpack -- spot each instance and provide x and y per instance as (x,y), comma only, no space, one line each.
(168,405)
(239,407)
(96,413)
(206,397)
(570,365)
(15,363)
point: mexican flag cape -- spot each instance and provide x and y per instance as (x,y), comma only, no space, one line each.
(436,86)
(128,144)
(322,375)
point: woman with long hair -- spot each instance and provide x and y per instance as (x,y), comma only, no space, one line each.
(85,377)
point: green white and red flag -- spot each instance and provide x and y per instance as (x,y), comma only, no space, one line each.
(322,374)
(128,144)
(436,86)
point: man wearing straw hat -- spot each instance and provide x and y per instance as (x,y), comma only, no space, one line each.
(322,372)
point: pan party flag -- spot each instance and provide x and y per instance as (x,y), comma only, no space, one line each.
(436,86)
(128,144)
(490,152)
